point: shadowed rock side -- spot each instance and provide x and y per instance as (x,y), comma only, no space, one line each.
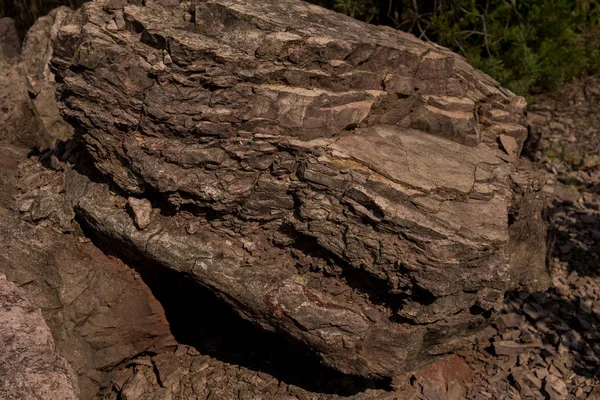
(336,182)
(29,113)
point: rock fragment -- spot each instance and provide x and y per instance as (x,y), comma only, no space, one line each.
(141,210)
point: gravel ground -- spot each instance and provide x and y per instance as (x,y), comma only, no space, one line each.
(547,345)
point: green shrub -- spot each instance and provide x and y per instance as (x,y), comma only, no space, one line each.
(527,45)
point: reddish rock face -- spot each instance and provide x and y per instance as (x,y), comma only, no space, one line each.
(99,311)
(29,363)
(444,380)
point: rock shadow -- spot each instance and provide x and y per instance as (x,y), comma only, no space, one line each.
(199,318)
(576,231)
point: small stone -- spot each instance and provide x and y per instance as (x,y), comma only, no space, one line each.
(120,20)
(508,364)
(509,347)
(509,144)
(523,358)
(192,228)
(511,335)
(534,311)
(591,161)
(166,365)
(135,387)
(141,210)
(555,388)
(554,371)
(541,373)
(533,380)
(506,321)
(26,205)
(112,25)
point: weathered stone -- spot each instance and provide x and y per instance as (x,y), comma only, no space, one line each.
(30,366)
(274,137)
(507,321)
(10,44)
(136,387)
(141,210)
(100,313)
(510,347)
(509,144)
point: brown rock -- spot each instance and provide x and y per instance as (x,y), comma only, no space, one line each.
(509,144)
(508,321)
(141,210)
(30,366)
(100,313)
(276,127)
(444,379)
(510,347)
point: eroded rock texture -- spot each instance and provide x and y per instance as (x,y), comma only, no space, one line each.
(29,364)
(29,113)
(336,182)
(99,311)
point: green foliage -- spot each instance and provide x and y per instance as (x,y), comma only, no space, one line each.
(527,45)
(365,10)
(550,154)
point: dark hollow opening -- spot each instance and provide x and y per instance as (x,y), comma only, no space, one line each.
(198,318)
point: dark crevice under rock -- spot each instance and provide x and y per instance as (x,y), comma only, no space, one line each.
(199,319)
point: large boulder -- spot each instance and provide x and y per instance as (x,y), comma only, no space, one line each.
(348,186)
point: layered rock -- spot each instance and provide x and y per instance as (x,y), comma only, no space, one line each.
(333,181)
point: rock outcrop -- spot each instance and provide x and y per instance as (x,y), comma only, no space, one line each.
(339,183)
(30,367)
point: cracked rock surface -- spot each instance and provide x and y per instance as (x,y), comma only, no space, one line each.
(30,366)
(99,311)
(337,183)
